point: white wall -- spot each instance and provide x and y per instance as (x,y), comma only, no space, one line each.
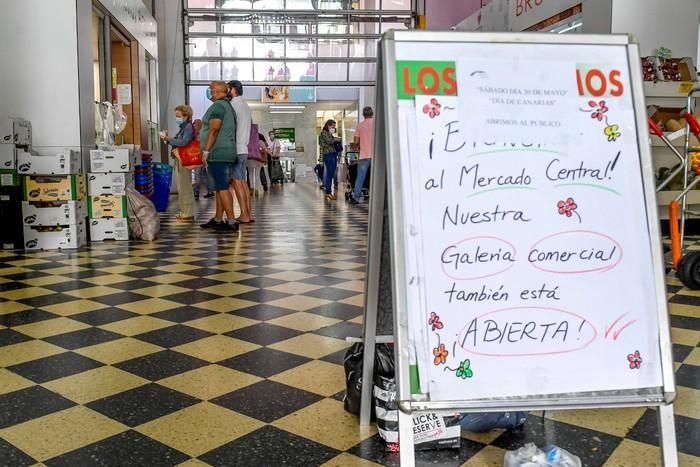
(171,69)
(657,24)
(39,76)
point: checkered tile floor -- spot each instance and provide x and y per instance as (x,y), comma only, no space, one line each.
(208,349)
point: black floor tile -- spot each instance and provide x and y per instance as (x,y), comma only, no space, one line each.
(143,404)
(261,282)
(128,448)
(269,446)
(685,322)
(103,316)
(173,336)
(339,396)
(133,285)
(10,337)
(90,273)
(681,352)
(202,272)
(673,288)
(320,271)
(264,333)
(261,271)
(190,298)
(25,317)
(337,310)
(9,286)
(688,376)
(161,365)
(83,338)
(326,281)
(69,286)
(54,367)
(262,312)
(374,449)
(261,295)
(336,357)
(593,447)
(646,430)
(330,293)
(11,456)
(28,404)
(264,362)
(23,276)
(196,283)
(121,298)
(46,300)
(183,314)
(341,330)
(685,300)
(267,400)
(141,274)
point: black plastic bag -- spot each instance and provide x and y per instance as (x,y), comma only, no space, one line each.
(481,422)
(383,366)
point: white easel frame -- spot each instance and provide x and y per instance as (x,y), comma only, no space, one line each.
(386,173)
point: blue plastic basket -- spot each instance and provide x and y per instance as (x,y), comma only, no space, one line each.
(162,176)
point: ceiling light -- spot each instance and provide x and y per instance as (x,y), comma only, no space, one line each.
(287,107)
(286,111)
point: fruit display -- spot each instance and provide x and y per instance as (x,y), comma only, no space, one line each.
(673,125)
(670,70)
(649,68)
(695,161)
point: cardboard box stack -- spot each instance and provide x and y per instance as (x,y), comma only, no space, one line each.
(14,133)
(110,173)
(53,210)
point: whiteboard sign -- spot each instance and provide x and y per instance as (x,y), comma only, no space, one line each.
(528,249)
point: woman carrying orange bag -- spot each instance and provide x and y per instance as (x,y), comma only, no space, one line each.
(185,136)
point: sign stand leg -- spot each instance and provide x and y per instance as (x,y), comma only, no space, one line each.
(407,455)
(374,248)
(667,436)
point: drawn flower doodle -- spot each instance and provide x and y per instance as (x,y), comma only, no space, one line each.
(600,109)
(440,354)
(432,109)
(392,447)
(464,371)
(611,131)
(635,360)
(434,321)
(568,208)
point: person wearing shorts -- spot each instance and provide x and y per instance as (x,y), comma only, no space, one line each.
(244,119)
(218,144)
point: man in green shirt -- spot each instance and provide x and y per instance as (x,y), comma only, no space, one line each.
(218,143)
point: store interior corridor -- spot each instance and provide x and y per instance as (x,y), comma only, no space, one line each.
(203,348)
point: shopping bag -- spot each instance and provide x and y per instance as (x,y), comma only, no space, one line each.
(190,156)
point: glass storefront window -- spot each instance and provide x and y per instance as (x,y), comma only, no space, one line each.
(332,48)
(240,70)
(205,71)
(237,47)
(291,40)
(332,71)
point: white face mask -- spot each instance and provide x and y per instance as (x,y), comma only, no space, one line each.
(332,130)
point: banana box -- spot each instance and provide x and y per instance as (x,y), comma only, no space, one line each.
(54,187)
(64,162)
(109,229)
(55,237)
(106,206)
(112,160)
(108,184)
(54,212)
(8,178)
(15,131)
(7,157)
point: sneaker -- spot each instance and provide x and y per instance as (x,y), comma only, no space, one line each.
(226,227)
(211,224)
(352,200)
(331,198)
(209,195)
(196,197)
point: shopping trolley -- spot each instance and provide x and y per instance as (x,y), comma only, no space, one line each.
(687,266)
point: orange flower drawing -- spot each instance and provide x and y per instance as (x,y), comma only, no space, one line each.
(440,354)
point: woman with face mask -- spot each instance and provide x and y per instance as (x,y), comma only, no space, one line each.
(327,141)
(183,118)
